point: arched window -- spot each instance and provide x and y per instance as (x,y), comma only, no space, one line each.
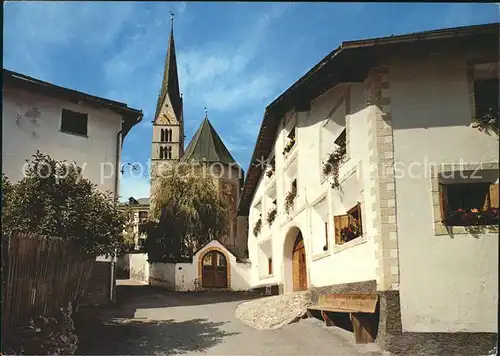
(168,135)
(169,152)
(162,135)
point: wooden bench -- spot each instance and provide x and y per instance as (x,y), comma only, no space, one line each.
(361,307)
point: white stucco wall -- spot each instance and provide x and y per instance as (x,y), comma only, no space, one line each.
(96,154)
(351,262)
(139,267)
(181,276)
(162,275)
(447,283)
(185,276)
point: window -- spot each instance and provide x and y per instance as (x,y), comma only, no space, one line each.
(466,204)
(143,215)
(271,168)
(291,134)
(166,152)
(166,135)
(290,141)
(342,139)
(270,265)
(348,226)
(486,97)
(486,90)
(74,122)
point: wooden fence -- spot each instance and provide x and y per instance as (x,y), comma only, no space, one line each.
(40,274)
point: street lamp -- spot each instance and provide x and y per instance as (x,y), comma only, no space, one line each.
(133,165)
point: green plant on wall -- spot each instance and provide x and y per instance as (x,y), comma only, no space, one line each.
(257,227)
(289,199)
(332,164)
(289,146)
(488,122)
(271,215)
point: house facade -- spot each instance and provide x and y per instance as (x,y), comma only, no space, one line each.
(72,126)
(368,175)
(67,125)
(140,212)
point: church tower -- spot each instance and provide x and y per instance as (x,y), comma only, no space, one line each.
(167,145)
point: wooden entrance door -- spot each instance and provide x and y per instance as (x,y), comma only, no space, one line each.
(214,270)
(299,267)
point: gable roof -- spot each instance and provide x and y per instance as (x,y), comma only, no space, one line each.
(207,146)
(130,116)
(170,83)
(350,62)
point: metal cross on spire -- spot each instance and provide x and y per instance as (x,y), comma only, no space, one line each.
(206,112)
(172,19)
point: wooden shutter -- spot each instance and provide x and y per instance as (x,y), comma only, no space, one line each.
(494,196)
(443,202)
(339,222)
(360,220)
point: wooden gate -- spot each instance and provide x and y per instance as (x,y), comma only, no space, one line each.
(214,270)
(299,268)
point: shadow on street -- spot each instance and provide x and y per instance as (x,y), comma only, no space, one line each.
(115,330)
(153,337)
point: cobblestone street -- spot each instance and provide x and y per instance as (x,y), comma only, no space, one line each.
(155,321)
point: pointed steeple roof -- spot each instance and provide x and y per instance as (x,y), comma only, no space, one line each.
(207,146)
(170,84)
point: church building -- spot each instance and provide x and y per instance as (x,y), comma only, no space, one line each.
(206,146)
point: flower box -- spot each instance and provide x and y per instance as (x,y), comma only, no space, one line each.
(472,217)
(350,232)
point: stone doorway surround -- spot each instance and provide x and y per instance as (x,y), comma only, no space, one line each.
(214,273)
(228,265)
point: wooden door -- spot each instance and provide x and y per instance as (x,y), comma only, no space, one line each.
(214,270)
(299,266)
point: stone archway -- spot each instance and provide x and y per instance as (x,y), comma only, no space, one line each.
(214,269)
(295,265)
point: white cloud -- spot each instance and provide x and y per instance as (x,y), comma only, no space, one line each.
(36,27)
(221,75)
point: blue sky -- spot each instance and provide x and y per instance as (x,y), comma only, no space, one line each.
(233,57)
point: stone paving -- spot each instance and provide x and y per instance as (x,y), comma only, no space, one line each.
(150,321)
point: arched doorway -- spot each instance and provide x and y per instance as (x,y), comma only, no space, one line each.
(214,270)
(299,267)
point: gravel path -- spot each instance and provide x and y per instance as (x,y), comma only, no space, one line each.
(151,321)
(274,312)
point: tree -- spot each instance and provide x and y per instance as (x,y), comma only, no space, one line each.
(54,199)
(187,212)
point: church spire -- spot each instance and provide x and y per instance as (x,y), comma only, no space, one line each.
(170,84)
